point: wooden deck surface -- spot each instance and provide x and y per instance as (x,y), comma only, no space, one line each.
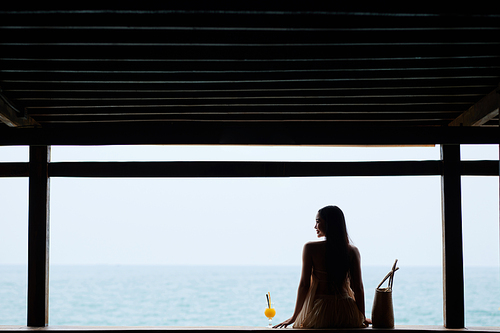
(398,329)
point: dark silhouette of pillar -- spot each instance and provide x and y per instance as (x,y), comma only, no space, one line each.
(38,237)
(453,270)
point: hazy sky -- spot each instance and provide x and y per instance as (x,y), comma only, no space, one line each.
(252,221)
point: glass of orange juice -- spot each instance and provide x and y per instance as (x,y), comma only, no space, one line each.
(270,312)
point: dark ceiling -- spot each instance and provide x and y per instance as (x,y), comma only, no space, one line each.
(212,63)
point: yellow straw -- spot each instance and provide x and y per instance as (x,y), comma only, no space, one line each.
(269,299)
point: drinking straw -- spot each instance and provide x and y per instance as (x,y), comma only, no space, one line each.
(268,304)
(269,299)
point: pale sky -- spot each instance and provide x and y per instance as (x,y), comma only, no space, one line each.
(252,221)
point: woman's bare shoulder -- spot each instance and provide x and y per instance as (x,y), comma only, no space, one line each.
(315,246)
(353,250)
(315,243)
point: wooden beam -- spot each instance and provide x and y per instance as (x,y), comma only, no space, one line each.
(13,118)
(249,169)
(243,169)
(479,168)
(14,169)
(453,279)
(216,133)
(481,112)
(38,237)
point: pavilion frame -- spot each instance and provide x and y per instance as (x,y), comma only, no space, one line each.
(450,168)
(39,170)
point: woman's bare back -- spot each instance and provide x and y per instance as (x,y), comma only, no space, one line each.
(318,253)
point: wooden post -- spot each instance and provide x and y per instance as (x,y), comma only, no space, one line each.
(453,271)
(38,237)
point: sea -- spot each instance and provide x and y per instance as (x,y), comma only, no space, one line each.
(136,295)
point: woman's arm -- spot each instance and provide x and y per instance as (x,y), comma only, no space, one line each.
(305,282)
(357,280)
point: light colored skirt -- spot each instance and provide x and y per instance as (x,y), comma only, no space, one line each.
(330,311)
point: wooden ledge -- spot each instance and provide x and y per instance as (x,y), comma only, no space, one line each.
(128,329)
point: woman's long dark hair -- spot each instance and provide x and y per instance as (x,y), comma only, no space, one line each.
(337,246)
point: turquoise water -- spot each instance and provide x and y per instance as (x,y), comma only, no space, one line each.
(225,296)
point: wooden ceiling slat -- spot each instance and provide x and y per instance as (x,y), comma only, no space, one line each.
(147,37)
(473,92)
(246,64)
(245,114)
(244,99)
(147,121)
(316,114)
(345,111)
(256,51)
(247,77)
(47,100)
(293,70)
(383,83)
(256,17)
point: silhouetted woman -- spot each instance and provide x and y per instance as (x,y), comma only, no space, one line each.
(330,292)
